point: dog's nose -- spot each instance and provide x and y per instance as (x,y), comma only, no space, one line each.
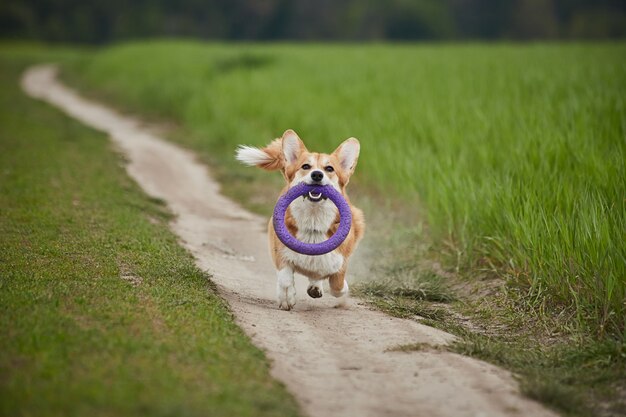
(317,176)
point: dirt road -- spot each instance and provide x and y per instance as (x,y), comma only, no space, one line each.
(334,361)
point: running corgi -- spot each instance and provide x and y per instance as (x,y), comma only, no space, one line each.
(311,219)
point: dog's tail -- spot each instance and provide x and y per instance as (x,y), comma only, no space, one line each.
(269,158)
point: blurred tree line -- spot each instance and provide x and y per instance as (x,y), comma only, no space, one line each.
(95,21)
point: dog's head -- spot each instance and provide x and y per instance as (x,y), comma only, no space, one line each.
(301,165)
(298,164)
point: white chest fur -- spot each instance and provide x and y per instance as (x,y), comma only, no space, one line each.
(313,221)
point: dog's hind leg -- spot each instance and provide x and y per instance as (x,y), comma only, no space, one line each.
(315,289)
(285,289)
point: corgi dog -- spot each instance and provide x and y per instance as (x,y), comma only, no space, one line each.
(310,219)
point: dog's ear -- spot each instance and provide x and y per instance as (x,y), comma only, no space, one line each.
(292,147)
(348,154)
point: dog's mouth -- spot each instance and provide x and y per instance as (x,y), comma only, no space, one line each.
(314,197)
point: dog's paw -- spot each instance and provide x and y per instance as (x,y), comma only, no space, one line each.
(286,297)
(314,292)
(315,289)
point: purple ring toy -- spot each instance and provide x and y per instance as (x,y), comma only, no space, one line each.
(302,189)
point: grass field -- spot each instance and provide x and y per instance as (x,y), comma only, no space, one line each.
(513,154)
(102,312)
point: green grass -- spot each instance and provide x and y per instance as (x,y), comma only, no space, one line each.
(576,379)
(512,154)
(101,311)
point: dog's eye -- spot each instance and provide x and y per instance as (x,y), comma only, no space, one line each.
(329,169)
(306,166)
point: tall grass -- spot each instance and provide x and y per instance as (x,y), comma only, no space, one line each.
(514,152)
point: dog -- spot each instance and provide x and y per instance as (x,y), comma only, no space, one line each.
(310,219)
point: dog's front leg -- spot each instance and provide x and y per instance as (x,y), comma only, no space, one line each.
(339,287)
(286,289)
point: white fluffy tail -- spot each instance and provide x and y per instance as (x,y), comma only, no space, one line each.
(269,158)
(251,156)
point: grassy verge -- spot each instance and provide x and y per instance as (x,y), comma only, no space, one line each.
(572,375)
(102,312)
(493,178)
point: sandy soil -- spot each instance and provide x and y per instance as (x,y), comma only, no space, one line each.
(334,361)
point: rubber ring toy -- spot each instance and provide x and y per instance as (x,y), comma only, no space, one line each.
(313,249)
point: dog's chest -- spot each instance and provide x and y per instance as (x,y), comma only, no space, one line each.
(313,222)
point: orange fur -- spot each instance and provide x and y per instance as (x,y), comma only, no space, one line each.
(275,151)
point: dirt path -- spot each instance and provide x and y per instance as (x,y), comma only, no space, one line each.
(334,361)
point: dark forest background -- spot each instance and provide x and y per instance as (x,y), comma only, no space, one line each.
(91,21)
